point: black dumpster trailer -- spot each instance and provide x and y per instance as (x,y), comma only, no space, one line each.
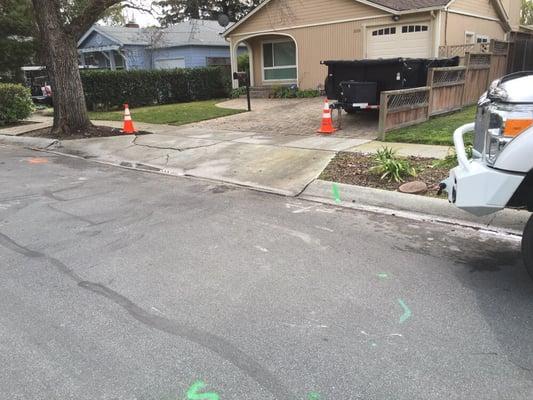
(357,85)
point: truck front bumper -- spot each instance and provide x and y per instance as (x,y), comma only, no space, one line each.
(476,187)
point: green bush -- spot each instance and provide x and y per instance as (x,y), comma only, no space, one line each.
(450,161)
(292,92)
(111,89)
(236,93)
(15,103)
(389,167)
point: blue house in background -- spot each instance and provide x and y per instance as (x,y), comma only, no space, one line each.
(194,43)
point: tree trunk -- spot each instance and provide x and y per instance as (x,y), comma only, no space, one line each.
(61,60)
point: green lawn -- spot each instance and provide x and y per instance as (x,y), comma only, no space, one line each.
(173,114)
(438,130)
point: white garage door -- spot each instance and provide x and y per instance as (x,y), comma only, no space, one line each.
(170,63)
(409,40)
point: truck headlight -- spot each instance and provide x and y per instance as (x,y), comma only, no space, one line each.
(504,125)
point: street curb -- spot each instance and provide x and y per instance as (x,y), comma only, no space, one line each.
(350,196)
(413,206)
(33,142)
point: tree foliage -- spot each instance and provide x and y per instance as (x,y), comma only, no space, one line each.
(17,46)
(526,15)
(178,10)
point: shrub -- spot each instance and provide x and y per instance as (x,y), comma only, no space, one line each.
(390,167)
(236,93)
(243,62)
(450,161)
(111,89)
(291,92)
(15,103)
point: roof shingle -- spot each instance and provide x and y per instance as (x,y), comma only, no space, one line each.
(406,5)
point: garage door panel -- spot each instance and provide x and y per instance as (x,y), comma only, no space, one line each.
(169,63)
(402,40)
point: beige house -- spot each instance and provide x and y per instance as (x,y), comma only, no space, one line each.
(287,39)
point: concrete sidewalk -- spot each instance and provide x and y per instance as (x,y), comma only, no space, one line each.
(283,164)
(279,163)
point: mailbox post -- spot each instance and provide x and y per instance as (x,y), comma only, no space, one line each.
(244,78)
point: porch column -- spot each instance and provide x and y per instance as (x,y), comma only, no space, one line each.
(111,58)
(82,59)
(234,62)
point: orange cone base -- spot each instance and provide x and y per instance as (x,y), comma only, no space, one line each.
(327,131)
(128,128)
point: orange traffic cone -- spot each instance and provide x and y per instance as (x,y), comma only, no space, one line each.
(128,123)
(327,122)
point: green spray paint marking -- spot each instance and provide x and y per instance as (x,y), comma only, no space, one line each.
(192,393)
(313,396)
(406,312)
(336,193)
(383,275)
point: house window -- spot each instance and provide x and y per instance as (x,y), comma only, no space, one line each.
(279,61)
(217,61)
(482,39)
(414,28)
(470,37)
(384,31)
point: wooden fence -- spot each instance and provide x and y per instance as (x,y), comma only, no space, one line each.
(448,89)
(404,107)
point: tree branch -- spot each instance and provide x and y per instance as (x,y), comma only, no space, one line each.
(89,15)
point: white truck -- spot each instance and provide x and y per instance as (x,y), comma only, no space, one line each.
(500,173)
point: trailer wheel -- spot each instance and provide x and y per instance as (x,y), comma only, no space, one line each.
(527,246)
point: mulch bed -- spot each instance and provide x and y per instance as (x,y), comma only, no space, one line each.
(92,132)
(354,169)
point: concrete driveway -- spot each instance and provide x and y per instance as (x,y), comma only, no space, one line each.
(291,116)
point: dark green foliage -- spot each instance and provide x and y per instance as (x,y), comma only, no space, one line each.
(287,92)
(390,167)
(17,45)
(106,90)
(178,10)
(15,103)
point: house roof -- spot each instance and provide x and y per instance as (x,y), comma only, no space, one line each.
(407,5)
(188,33)
(392,6)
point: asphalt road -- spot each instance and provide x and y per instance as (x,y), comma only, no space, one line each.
(116,284)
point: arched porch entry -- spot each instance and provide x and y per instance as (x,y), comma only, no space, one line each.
(273,58)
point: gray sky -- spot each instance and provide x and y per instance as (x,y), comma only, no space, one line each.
(142,18)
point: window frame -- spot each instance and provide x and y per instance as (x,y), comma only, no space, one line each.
(264,69)
(472,35)
(486,39)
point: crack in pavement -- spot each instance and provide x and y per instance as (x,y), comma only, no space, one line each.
(205,339)
(179,149)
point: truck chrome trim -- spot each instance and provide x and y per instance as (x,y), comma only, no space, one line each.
(458,140)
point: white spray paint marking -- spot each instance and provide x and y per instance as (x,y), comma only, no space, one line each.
(261,249)
(323,228)
(157,310)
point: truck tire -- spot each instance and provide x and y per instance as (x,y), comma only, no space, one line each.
(527,246)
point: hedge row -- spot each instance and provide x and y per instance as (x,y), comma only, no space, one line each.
(111,89)
(15,103)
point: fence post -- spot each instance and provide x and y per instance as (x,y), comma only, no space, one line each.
(431,74)
(383,110)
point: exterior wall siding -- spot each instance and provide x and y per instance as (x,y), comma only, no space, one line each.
(478,7)
(343,41)
(459,24)
(290,13)
(194,56)
(136,57)
(95,39)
